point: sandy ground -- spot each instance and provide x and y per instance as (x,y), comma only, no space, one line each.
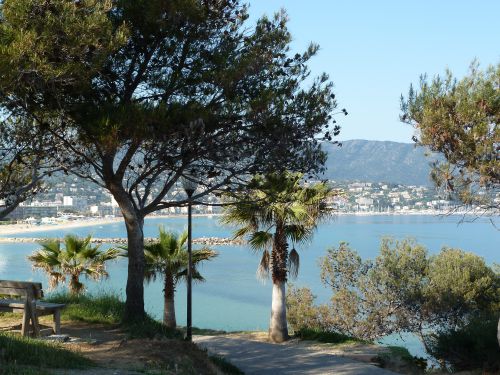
(114,354)
(9,229)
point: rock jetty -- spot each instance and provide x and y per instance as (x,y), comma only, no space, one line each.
(210,241)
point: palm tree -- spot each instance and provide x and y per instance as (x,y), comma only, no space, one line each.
(77,258)
(169,257)
(274,210)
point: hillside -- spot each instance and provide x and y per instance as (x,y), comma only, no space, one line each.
(378,161)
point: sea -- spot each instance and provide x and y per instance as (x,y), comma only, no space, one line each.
(232,297)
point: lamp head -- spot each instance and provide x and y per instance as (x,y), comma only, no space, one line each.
(189,184)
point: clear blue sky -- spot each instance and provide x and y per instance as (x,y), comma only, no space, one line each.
(373,50)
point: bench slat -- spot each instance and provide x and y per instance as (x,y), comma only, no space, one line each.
(39,305)
(15,292)
(19,284)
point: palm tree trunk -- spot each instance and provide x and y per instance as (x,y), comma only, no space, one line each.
(73,286)
(278,329)
(169,304)
(498,331)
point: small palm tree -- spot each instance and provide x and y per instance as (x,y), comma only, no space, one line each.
(77,258)
(169,257)
(274,210)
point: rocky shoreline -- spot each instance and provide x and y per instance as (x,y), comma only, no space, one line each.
(210,241)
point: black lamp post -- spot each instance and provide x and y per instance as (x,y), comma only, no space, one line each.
(189,184)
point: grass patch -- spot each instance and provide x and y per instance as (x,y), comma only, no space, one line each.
(18,350)
(12,369)
(10,315)
(151,328)
(206,331)
(109,309)
(101,308)
(400,353)
(225,366)
(327,337)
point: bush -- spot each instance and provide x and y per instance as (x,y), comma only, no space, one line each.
(323,336)
(301,312)
(473,346)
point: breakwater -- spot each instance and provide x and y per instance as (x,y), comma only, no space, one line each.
(209,241)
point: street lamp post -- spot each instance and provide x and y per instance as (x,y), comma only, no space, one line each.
(189,184)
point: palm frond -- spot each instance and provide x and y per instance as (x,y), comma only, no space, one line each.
(293,264)
(298,233)
(203,254)
(264,266)
(260,240)
(278,200)
(78,257)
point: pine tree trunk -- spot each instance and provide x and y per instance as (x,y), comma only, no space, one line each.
(134,306)
(134,223)
(278,329)
(169,304)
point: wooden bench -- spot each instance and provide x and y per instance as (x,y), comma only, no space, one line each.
(26,301)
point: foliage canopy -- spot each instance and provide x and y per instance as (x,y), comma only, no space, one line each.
(77,258)
(459,119)
(132,95)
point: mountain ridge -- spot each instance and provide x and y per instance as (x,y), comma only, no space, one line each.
(378,161)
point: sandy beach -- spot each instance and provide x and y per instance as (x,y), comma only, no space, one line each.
(9,229)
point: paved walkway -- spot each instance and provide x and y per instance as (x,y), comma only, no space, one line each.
(254,357)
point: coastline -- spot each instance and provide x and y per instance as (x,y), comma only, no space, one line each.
(8,229)
(11,229)
(209,241)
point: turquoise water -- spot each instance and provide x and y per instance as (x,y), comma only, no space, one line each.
(232,298)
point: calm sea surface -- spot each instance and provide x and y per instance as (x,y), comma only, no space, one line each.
(232,298)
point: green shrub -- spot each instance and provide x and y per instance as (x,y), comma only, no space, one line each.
(322,336)
(471,347)
(301,311)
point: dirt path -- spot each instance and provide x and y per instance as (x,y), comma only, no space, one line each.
(253,356)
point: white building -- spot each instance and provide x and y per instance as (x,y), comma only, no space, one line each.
(67,201)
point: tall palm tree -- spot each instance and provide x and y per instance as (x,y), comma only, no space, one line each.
(78,257)
(273,211)
(169,257)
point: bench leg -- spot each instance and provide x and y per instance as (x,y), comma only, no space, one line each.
(56,325)
(34,319)
(26,321)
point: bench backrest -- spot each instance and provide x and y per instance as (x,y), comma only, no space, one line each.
(25,289)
